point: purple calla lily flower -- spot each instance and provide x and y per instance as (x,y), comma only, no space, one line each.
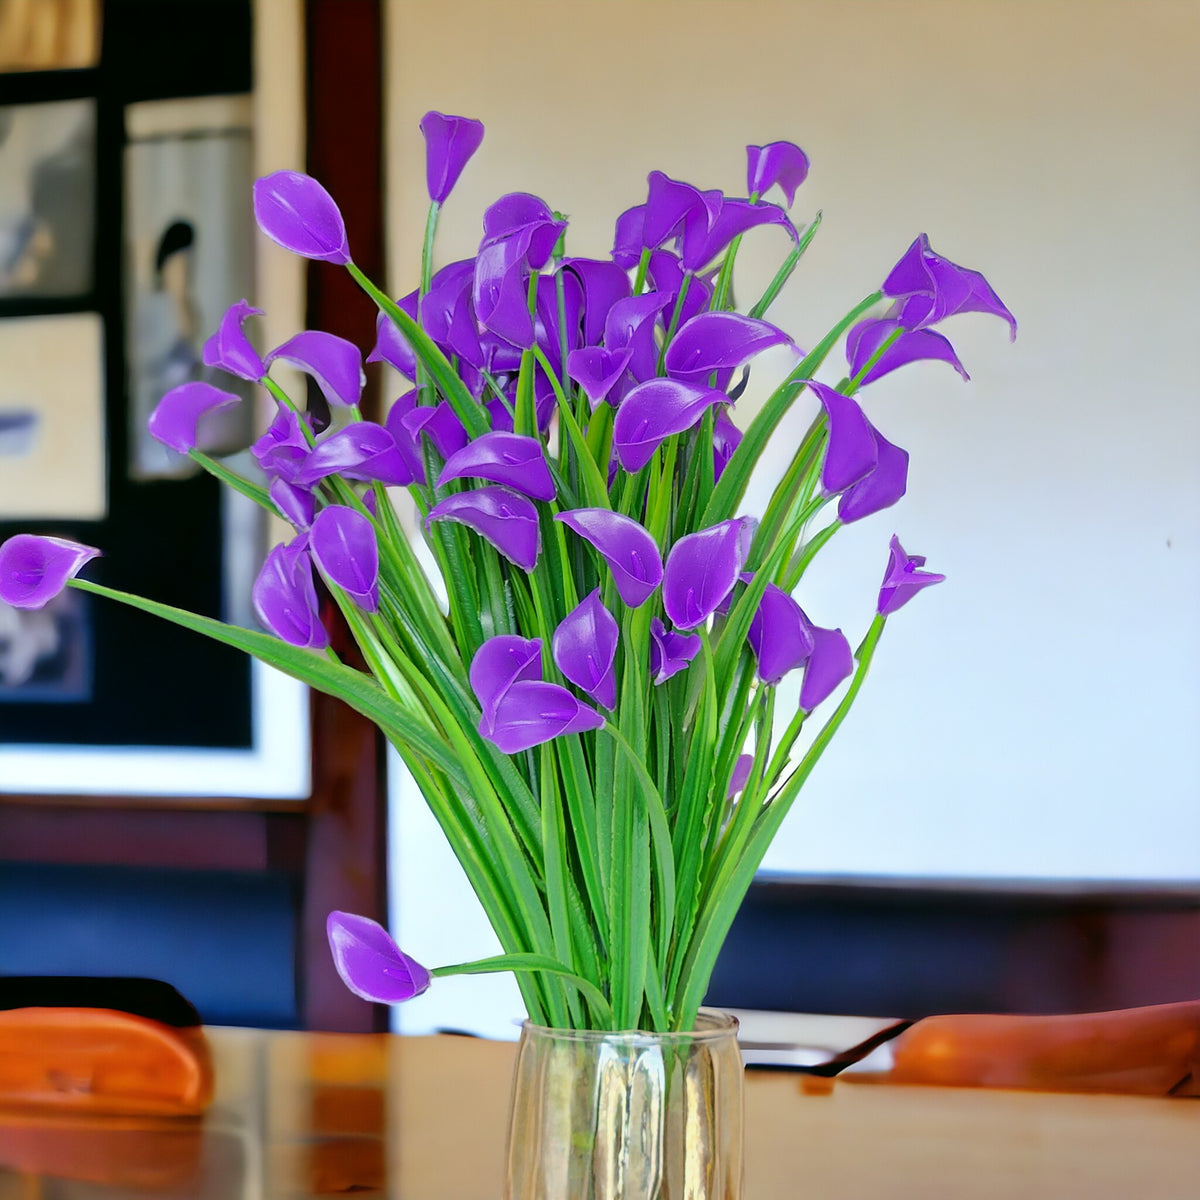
(363,450)
(449,144)
(630,551)
(740,776)
(297,213)
(880,487)
(34,569)
(333,362)
(295,504)
(499,663)
(654,411)
(630,326)
(342,542)
(702,569)
(370,963)
(670,652)
(511,459)
(230,349)
(603,283)
(782,163)
(281,451)
(928,288)
(391,346)
(727,437)
(668,202)
(708,230)
(525,222)
(503,517)
(448,315)
(285,596)
(629,237)
(719,341)
(440,424)
(911,346)
(902,581)
(175,420)
(585,648)
(499,296)
(666,274)
(779,635)
(830,662)
(532,712)
(851,451)
(598,371)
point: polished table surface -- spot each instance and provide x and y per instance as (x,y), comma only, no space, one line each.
(299,1115)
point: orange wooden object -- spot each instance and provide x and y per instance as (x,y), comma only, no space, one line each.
(1152,1051)
(97,1060)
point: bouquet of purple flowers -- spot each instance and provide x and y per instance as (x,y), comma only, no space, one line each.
(591,712)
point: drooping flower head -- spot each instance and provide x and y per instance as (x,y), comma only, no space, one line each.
(342,542)
(630,551)
(285,597)
(903,580)
(370,963)
(34,569)
(782,163)
(505,518)
(175,420)
(297,213)
(333,362)
(702,568)
(585,648)
(449,144)
(230,349)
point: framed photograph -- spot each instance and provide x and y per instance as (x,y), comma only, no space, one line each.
(47,199)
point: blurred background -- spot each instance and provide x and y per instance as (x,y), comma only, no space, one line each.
(1011,818)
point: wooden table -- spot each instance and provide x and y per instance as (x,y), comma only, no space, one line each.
(300,1115)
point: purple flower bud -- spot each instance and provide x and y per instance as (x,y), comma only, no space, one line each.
(363,451)
(175,419)
(230,349)
(343,545)
(851,451)
(740,776)
(670,652)
(449,144)
(532,712)
(867,336)
(283,449)
(585,647)
(332,361)
(511,459)
(830,662)
(779,635)
(902,581)
(630,551)
(719,341)
(33,569)
(297,213)
(727,437)
(503,517)
(880,487)
(702,569)
(499,663)
(780,163)
(295,504)
(654,411)
(370,963)
(391,346)
(285,596)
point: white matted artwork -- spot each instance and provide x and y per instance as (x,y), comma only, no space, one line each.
(52,439)
(189,233)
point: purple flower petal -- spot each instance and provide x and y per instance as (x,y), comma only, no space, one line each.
(779,635)
(439,423)
(670,652)
(526,224)
(177,415)
(740,776)
(603,283)
(702,569)
(447,313)
(666,274)
(363,451)
(668,202)
(719,341)
(404,422)
(33,569)
(505,518)
(880,487)
(629,237)
(449,144)
(332,361)
(343,545)
(295,504)
(830,662)
(499,663)
(283,449)
(597,370)
(708,231)
(391,346)
(370,963)
(285,596)
(902,581)
(511,459)
(654,411)
(781,163)
(911,346)
(532,712)
(851,451)
(499,296)
(630,325)
(727,437)
(630,551)
(585,647)
(297,213)
(230,349)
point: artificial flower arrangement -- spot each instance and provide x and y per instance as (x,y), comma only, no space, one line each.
(591,713)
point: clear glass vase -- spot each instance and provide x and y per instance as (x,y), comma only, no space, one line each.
(627,1116)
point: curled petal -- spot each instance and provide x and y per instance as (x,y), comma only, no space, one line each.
(342,542)
(33,569)
(511,459)
(499,296)
(281,451)
(297,213)
(630,326)
(532,712)
(654,411)
(880,487)
(439,423)
(670,652)
(499,663)
(727,437)
(175,419)
(702,569)
(603,283)
(597,370)
(526,225)
(628,237)
(391,346)
(851,451)
(719,341)
(585,647)
(505,518)
(902,580)
(668,202)
(911,346)
(370,963)
(449,144)
(779,635)
(230,349)
(830,662)
(782,163)
(332,361)
(708,231)
(666,273)
(285,596)
(630,551)
(295,504)
(363,450)
(447,312)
